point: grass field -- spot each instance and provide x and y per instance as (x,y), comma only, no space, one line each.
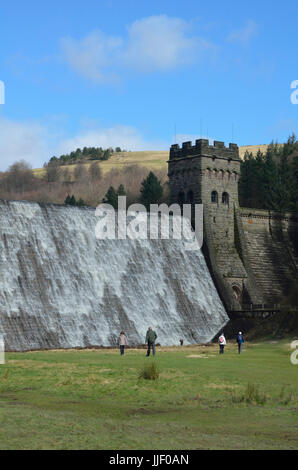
(153,160)
(94,399)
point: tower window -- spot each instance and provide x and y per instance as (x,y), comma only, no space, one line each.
(214,197)
(225,198)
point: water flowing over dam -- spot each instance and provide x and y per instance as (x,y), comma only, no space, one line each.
(61,287)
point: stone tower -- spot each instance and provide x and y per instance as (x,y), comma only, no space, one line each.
(209,174)
(205,174)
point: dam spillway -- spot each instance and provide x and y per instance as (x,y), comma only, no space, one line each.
(62,288)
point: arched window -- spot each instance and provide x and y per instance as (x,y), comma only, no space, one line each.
(237,293)
(190,197)
(225,198)
(214,197)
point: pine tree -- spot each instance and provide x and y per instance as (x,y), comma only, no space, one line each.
(121,190)
(67,200)
(151,190)
(294,199)
(111,197)
(246,180)
(270,181)
(72,201)
(271,199)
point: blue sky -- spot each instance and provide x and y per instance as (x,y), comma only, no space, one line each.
(128,73)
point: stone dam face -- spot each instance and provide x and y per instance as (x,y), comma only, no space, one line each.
(61,287)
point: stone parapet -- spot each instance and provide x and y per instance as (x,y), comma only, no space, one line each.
(202,147)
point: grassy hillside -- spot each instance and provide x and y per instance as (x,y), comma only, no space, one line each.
(152,160)
(252,148)
(94,399)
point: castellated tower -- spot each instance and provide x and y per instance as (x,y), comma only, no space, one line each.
(209,174)
(205,174)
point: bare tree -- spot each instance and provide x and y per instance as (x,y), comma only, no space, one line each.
(53,172)
(95,172)
(80,173)
(65,175)
(19,178)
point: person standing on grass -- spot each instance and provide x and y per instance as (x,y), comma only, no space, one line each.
(150,340)
(240,341)
(222,342)
(122,342)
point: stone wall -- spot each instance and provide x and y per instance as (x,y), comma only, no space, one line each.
(251,254)
(272,241)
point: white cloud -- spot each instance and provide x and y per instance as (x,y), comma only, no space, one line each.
(244,34)
(156,43)
(92,55)
(22,141)
(37,143)
(160,43)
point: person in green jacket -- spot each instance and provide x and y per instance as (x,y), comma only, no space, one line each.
(150,340)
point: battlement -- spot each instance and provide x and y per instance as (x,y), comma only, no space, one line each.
(203,148)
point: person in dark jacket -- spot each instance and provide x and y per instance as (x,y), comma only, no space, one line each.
(240,341)
(150,340)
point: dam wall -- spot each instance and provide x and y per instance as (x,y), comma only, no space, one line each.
(61,287)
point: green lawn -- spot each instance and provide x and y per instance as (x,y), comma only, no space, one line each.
(93,399)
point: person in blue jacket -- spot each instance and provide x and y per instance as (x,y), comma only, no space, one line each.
(240,341)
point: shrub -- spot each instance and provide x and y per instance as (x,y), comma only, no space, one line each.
(149,372)
(284,399)
(251,395)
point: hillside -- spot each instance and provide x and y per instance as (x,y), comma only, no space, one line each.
(252,148)
(151,159)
